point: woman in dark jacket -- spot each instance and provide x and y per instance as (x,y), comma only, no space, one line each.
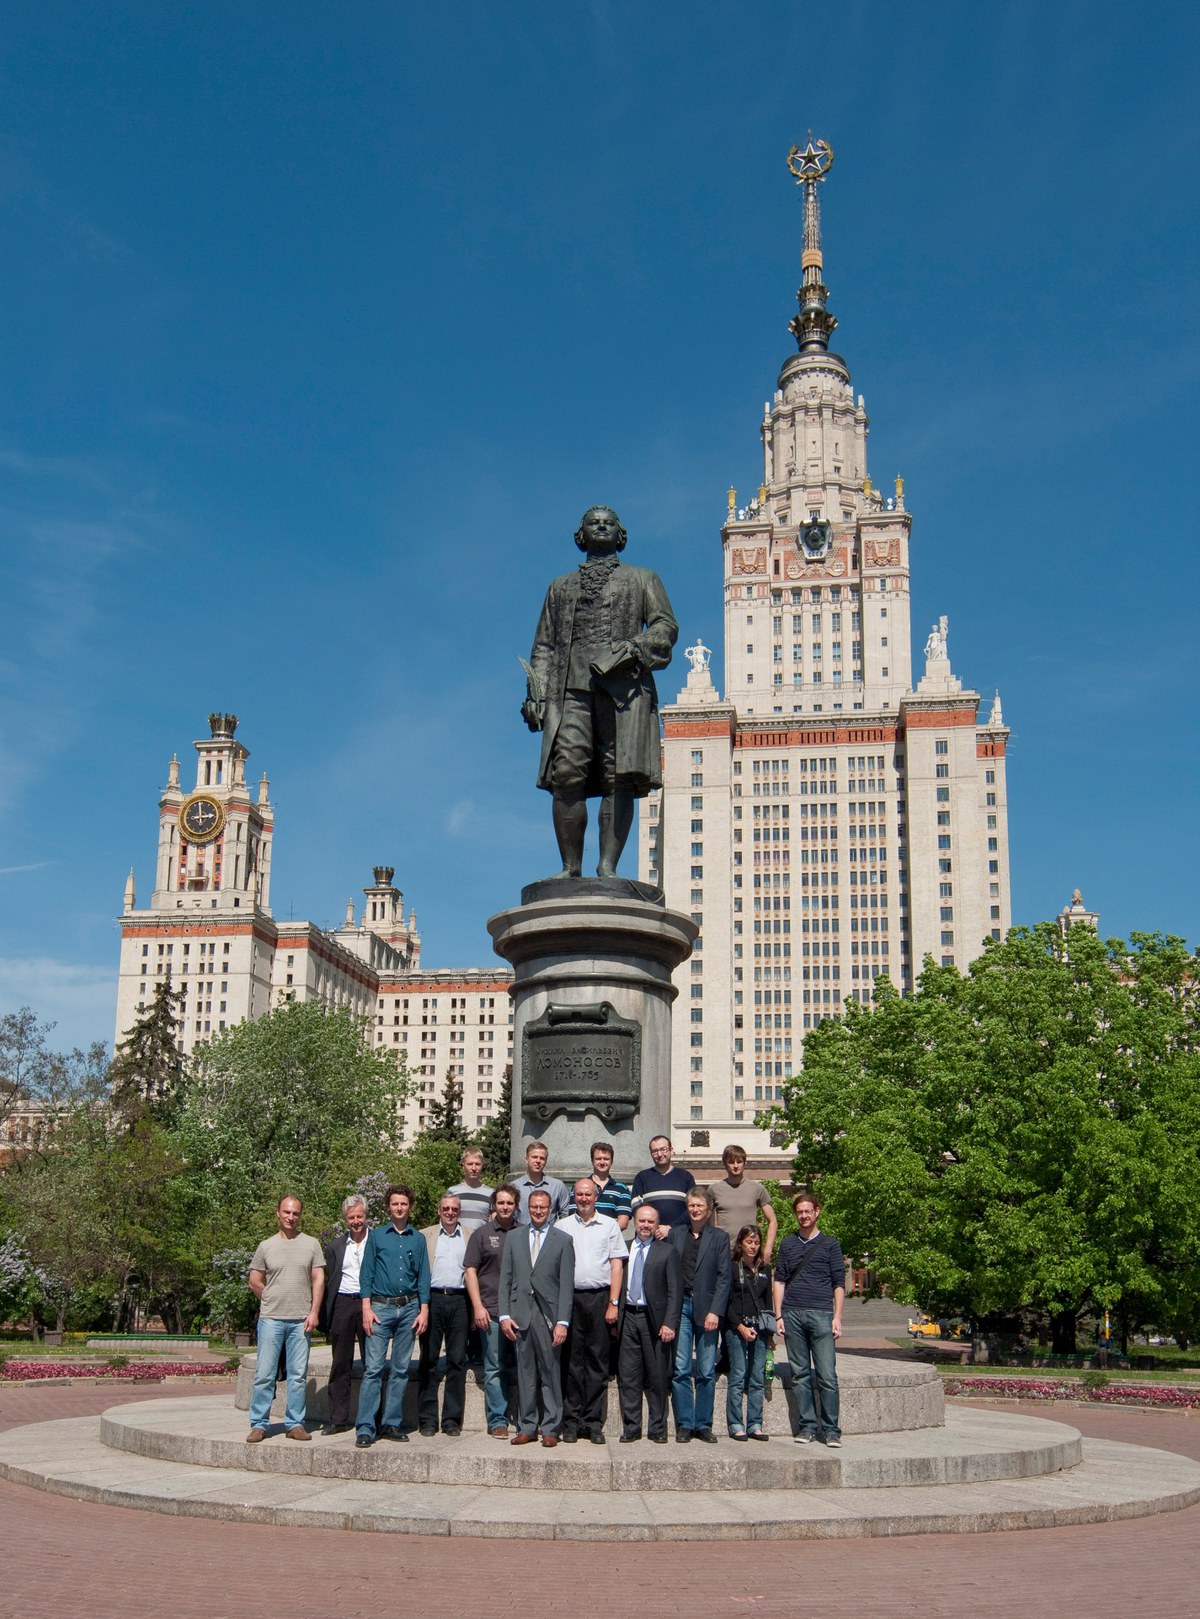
(745,1342)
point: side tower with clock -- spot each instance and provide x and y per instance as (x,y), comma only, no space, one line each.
(208,926)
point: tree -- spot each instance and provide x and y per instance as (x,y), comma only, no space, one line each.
(1026,1134)
(495,1139)
(38,1081)
(295,1102)
(147,1068)
(445,1116)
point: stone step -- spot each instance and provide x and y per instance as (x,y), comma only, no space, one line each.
(1113,1481)
(972,1447)
(877,1396)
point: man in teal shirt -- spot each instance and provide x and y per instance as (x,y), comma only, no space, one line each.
(394,1287)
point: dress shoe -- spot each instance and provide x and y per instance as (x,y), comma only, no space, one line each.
(757,1433)
(706,1434)
(683,1436)
(629,1438)
(337,1427)
(497,1433)
(740,1437)
(363,1442)
(596,1437)
(299,1432)
(398,1435)
(256,1436)
(453,1431)
(523,1439)
(549,1440)
(658,1438)
(427,1433)
(569,1436)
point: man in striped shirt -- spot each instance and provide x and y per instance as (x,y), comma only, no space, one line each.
(665,1187)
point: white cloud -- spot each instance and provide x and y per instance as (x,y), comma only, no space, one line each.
(79,998)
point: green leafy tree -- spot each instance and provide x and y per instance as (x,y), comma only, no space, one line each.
(103,1212)
(495,1139)
(36,1079)
(146,1072)
(295,1102)
(1025,1134)
(445,1116)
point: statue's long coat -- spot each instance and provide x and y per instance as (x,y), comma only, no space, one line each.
(634,608)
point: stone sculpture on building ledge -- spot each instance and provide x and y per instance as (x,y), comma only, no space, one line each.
(603,630)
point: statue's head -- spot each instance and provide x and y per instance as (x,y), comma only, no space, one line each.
(600,530)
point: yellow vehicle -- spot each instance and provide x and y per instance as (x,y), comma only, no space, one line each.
(925,1327)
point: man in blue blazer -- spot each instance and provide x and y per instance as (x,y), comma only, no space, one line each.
(537,1292)
(707,1274)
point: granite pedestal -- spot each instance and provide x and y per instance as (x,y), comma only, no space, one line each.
(592,998)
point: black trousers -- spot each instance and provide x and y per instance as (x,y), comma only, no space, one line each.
(449,1318)
(585,1390)
(644,1366)
(345,1335)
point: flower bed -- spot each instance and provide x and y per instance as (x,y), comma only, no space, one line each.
(1037,1388)
(30,1371)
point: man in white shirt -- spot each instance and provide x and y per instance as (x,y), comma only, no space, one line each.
(448,1321)
(341,1308)
(599,1257)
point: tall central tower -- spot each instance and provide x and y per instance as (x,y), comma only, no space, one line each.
(830,819)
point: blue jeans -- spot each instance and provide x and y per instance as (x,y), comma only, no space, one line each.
(274,1336)
(694,1411)
(499,1373)
(394,1331)
(808,1335)
(747,1368)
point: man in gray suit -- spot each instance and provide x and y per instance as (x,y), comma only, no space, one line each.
(537,1291)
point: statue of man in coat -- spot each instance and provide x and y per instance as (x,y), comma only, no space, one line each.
(603,630)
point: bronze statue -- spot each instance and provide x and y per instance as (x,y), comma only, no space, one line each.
(603,629)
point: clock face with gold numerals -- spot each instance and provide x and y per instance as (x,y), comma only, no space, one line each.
(201,818)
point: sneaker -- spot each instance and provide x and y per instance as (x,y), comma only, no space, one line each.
(833,1444)
(498,1433)
(806,1438)
(256,1436)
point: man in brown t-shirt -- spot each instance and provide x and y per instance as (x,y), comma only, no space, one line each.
(737,1201)
(287,1276)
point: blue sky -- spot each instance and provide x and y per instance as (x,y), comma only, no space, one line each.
(321,326)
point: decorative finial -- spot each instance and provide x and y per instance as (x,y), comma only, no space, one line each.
(732,498)
(996,717)
(222,725)
(899,491)
(814,324)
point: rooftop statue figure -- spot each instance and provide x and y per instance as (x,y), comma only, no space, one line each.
(603,630)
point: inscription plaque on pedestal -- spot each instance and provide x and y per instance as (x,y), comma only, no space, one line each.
(581,1059)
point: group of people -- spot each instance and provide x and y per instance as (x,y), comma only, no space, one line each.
(560,1294)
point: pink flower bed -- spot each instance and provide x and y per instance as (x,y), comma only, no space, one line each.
(30,1371)
(1033,1388)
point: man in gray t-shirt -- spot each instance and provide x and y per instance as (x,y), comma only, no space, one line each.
(287,1276)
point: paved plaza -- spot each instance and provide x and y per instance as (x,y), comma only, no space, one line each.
(74,1558)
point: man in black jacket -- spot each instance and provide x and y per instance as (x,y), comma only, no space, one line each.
(651,1299)
(341,1308)
(707,1272)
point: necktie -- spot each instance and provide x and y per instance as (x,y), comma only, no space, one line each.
(537,1244)
(635,1280)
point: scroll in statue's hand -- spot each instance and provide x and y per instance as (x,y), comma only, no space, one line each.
(623,659)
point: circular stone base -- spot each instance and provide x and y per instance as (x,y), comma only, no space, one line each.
(1112,1481)
(877,1396)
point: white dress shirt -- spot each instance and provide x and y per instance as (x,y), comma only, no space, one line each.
(352,1265)
(596,1243)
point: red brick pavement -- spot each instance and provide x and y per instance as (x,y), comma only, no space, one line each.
(77,1560)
